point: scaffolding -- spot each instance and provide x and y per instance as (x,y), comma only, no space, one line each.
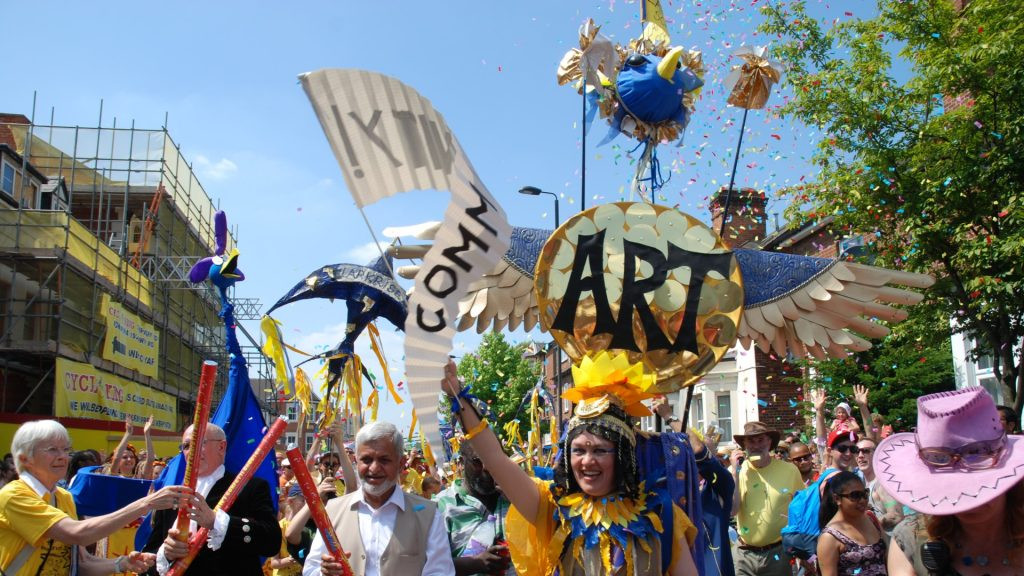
(70,242)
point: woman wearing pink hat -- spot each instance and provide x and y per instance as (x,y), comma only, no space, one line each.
(964,475)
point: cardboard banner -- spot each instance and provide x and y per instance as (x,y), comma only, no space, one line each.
(388,139)
(130,341)
(84,391)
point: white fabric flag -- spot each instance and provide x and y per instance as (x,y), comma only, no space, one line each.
(388,139)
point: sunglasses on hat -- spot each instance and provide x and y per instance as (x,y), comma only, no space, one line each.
(973,456)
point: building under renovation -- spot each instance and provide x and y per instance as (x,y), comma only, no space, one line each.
(98,230)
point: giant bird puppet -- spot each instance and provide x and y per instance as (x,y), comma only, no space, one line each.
(368,292)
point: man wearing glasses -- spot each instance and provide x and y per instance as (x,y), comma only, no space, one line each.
(238,538)
(801,457)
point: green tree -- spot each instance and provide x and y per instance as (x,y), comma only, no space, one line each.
(921,110)
(499,375)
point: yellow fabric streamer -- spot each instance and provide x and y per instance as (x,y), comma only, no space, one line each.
(413,425)
(354,385)
(371,328)
(373,402)
(656,29)
(428,454)
(303,390)
(274,349)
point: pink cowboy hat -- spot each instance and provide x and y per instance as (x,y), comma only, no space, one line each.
(949,420)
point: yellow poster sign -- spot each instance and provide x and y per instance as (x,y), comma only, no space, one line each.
(84,391)
(131,341)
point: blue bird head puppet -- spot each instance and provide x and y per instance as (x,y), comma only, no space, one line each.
(222,271)
(646,90)
(650,90)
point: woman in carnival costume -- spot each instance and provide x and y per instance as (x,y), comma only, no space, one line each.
(597,516)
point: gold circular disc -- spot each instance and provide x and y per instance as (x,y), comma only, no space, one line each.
(675,280)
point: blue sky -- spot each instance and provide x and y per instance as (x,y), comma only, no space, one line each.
(225,74)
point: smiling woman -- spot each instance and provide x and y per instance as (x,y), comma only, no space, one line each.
(597,516)
(38,520)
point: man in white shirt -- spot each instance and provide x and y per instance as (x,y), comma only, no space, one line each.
(237,538)
(385,531)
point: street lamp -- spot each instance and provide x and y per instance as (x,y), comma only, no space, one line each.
(534,191)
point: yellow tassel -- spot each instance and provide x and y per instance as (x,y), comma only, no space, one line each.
(428,454)
(629,554)
(375,345)
(303,390)
(606,552)
(373,402)
(655,521)
(274,350)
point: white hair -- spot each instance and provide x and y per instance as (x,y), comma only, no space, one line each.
(31,434)
(380,430)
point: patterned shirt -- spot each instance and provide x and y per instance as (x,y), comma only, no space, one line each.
(463,514)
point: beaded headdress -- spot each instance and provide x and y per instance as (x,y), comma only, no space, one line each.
(607,380)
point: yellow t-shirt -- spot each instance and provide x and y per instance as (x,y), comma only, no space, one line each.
(294,569)
(764,501)
(24,520)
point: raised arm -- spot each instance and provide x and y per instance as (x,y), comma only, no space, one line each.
(716,475)
(115,461)
(313,450)
(515,483)
(348,473)
(818,399)
(661,408)
(860,396)
(147,469)
(86,532)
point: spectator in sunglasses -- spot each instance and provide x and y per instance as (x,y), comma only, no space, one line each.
(851,537)
(801,457)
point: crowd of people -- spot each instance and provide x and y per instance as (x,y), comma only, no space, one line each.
(850,499)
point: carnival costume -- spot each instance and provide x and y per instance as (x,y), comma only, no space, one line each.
(575,534)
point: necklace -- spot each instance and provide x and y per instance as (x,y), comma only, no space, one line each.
(982,560)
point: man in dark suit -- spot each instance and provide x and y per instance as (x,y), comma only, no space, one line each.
(238,538)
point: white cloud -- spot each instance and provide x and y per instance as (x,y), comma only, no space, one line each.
(365,253)
(219,170)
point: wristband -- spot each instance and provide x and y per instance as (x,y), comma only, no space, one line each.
(476,429)
(117,565)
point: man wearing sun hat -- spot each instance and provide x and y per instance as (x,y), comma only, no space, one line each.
(960,463)
(764,488)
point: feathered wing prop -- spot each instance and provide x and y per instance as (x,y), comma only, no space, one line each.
(808,306)
(817,306)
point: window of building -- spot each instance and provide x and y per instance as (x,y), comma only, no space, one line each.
(7,179)
(986,362)
(725,415)
(697,412)
(289,439)
(293,411)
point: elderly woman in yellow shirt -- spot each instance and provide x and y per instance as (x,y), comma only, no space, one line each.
(39,530)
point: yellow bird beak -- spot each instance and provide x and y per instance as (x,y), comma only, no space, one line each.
(667,66)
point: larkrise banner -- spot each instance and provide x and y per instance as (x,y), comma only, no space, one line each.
(388,139)
(84,391)
(130,341)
